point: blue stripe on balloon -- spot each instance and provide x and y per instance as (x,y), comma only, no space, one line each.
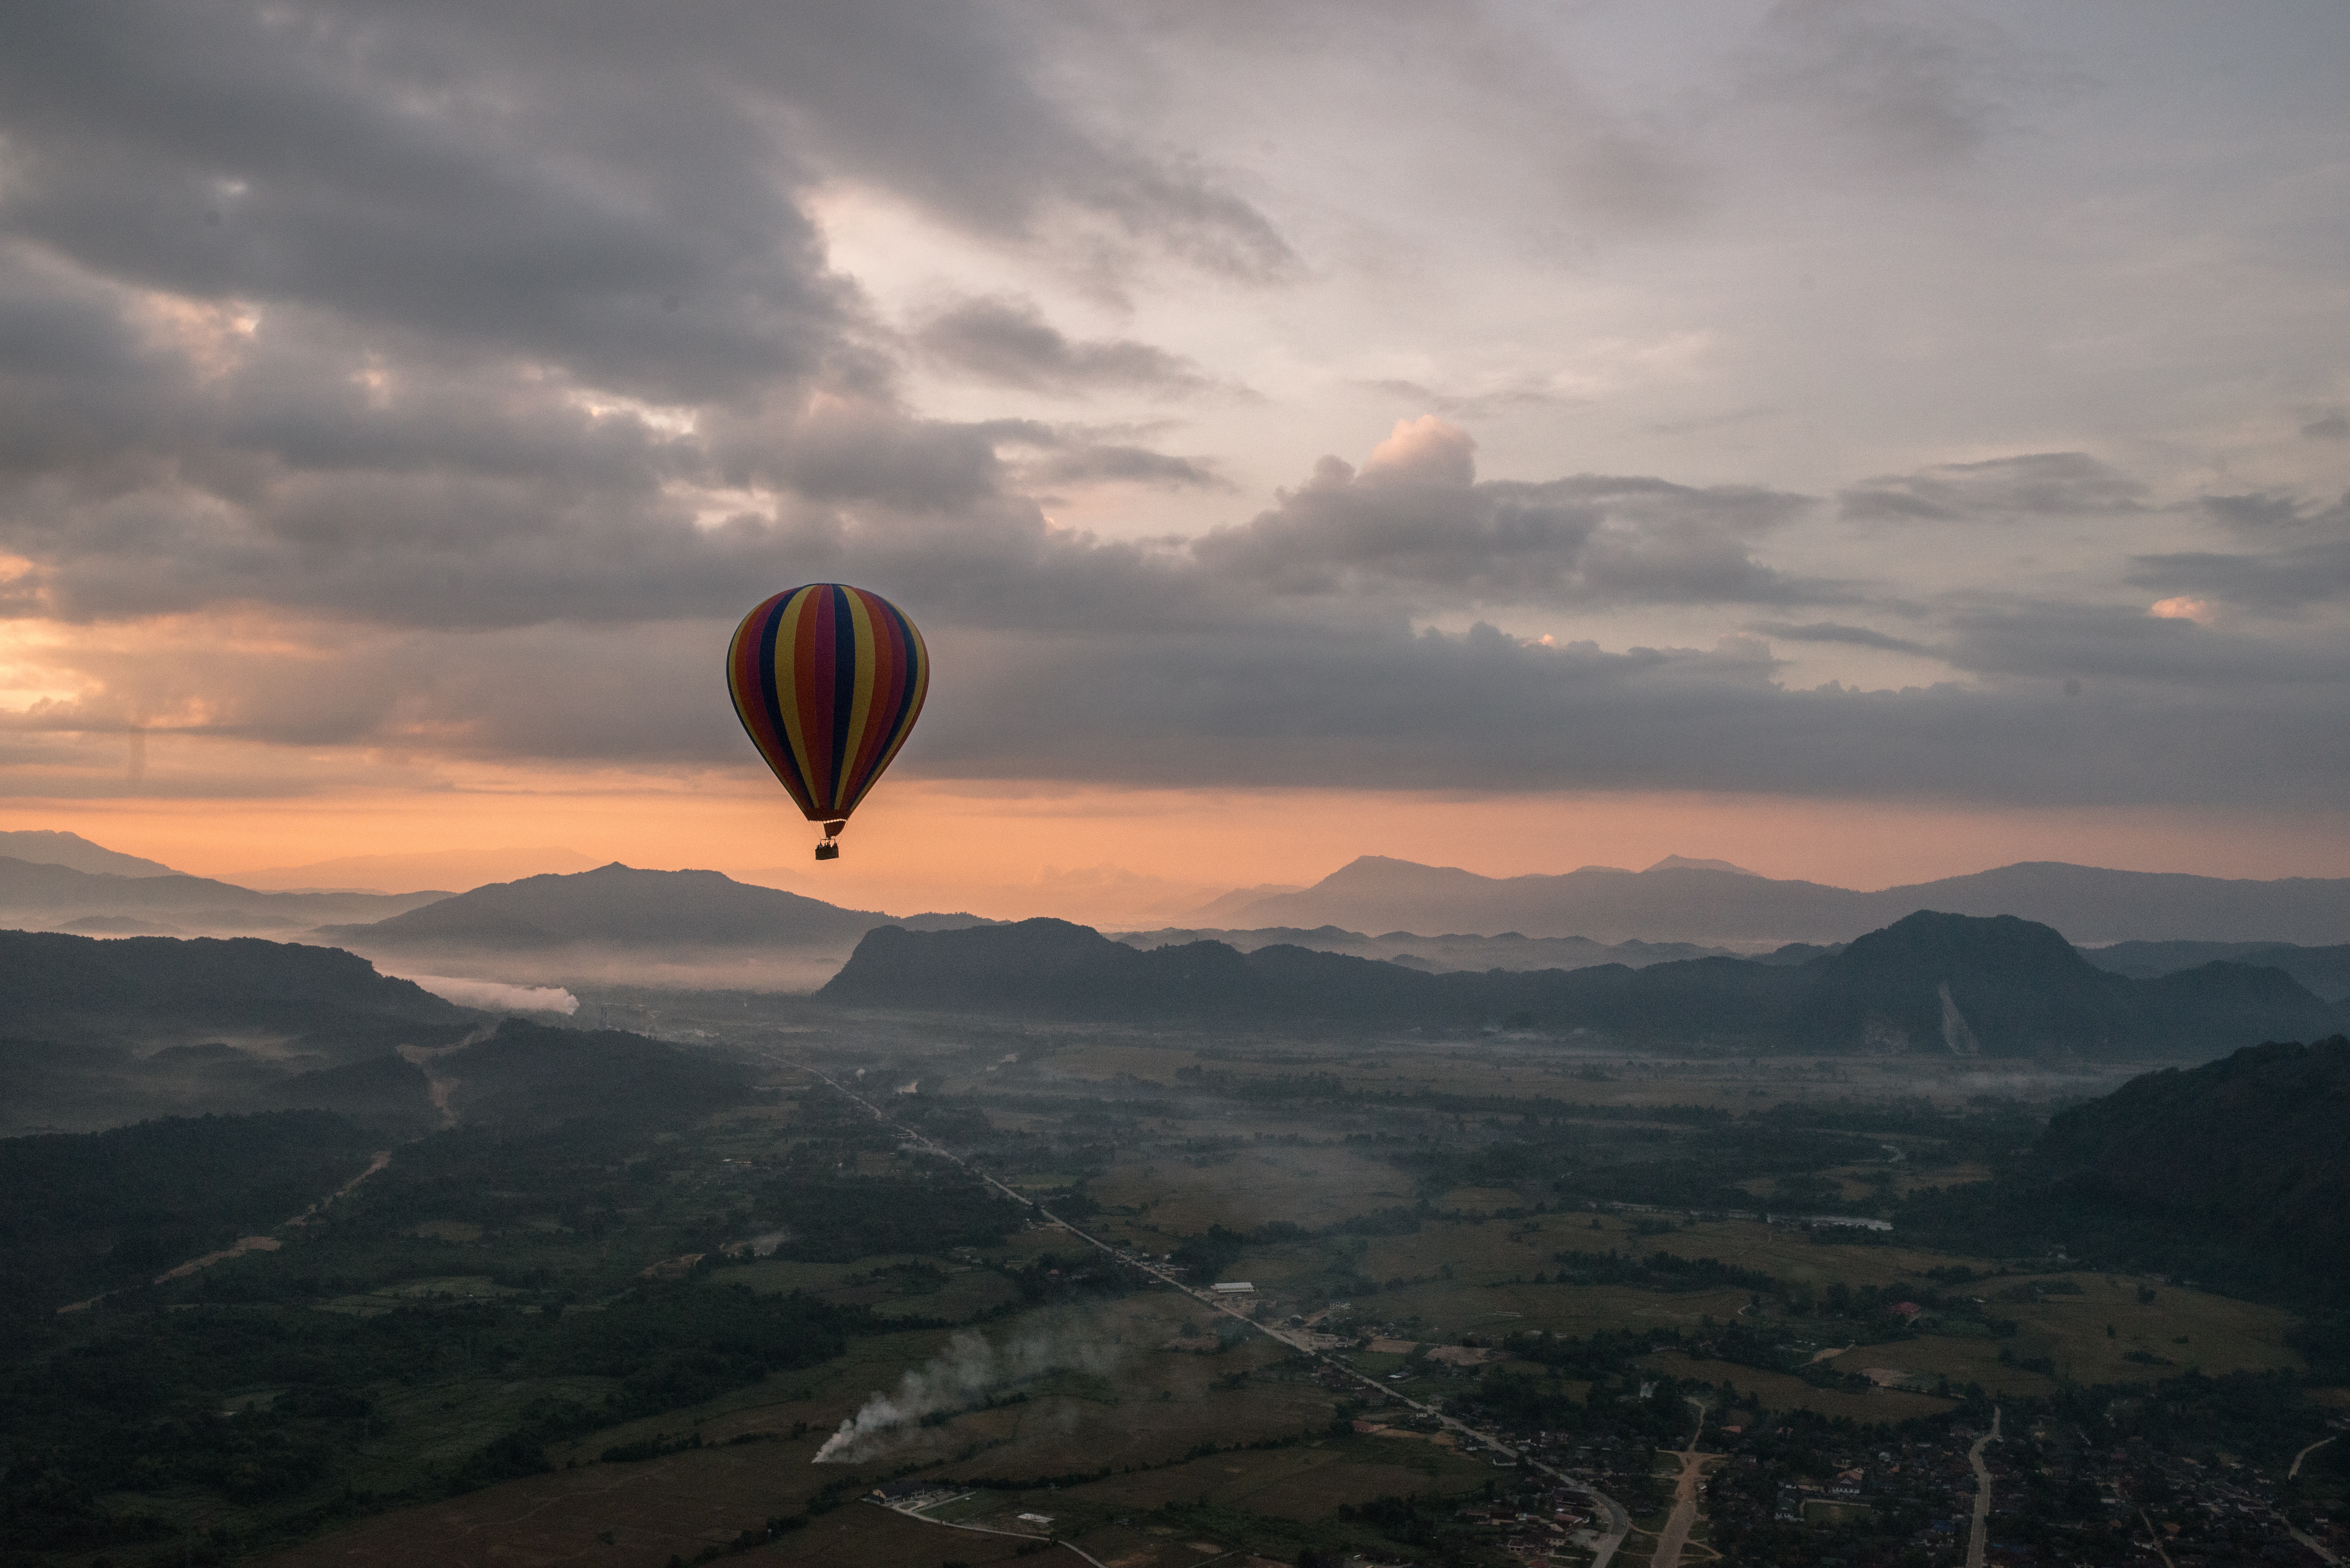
(844,687)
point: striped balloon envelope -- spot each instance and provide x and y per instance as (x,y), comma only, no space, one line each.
(827,680)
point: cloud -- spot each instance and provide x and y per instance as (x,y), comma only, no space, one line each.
(1832,631)
(1906,89)
(1531,391)
(1417,524)
(1106,465)
(2196,611)
(2172,658)
(1353,703)
(407,388)
(447,318)
(2043,485)
(2335,426)
(1007,340)
(2306,563)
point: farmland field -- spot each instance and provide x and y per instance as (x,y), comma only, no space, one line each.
(1486,1228)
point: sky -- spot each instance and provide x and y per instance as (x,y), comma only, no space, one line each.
(1860,440)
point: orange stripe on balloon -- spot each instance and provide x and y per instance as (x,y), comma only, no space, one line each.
(880,677)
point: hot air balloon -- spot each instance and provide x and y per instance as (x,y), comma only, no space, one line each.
(827,680)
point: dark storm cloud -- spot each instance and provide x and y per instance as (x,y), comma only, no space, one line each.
(1416,523)
(1008,342)
(2041,484)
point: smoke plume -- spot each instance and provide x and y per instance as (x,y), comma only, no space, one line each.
(966,1371)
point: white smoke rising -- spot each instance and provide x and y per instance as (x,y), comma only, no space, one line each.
(966,1371)
(495,996)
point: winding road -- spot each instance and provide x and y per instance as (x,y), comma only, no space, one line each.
(1619,1521)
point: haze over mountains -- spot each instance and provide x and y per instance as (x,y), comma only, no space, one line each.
(98,1032)
(1692,903)
(1439,955)
(425,868)
(168,903)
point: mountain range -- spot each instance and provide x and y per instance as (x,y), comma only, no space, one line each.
(44,847)
(1696,903)
(166,902)
(2136,923)
(1941,984)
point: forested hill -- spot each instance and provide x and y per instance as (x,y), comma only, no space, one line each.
(1944,983)
(2235,1174)
(53,985)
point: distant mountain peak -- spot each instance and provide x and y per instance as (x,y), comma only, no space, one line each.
(1240,898)
(1685,863)
(44,846)
(619,905)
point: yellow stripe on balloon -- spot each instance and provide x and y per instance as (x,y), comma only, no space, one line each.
(921,654)
(860,704)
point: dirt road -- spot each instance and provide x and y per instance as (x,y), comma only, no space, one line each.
(1978,1538)
(248,1243)
(1673,1538)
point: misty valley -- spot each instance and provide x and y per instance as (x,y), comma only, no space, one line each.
(1251,1244)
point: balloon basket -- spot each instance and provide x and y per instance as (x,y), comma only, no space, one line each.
(827,851)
